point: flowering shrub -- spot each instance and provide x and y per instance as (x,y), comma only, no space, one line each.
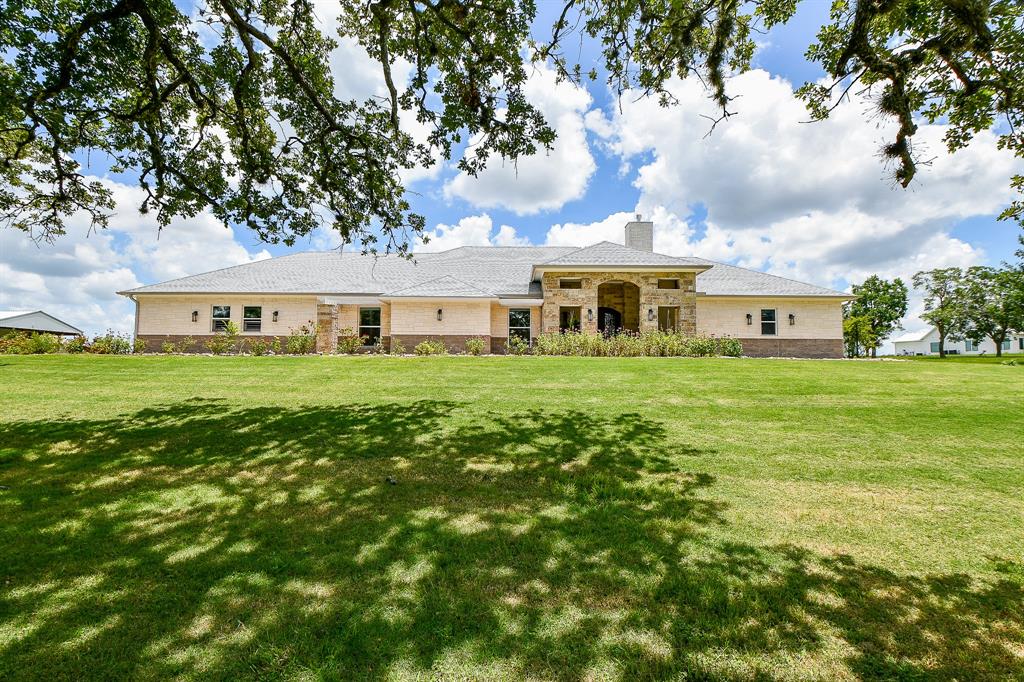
(475,346)
(168,347)
(349,342)
(75,345)
(430,347)
(258,347)
(111,343)
(644,344)
(25,343)
(517,345)
(223,342)
(397,347)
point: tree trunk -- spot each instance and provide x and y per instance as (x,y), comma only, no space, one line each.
(942,346)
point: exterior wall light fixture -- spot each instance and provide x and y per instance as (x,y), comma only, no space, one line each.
(275,316)
(440,314)
(650,314)
(750,319)
(792,319)
(590,314)
(195,315)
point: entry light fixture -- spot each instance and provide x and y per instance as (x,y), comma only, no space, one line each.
(195,315)
(440,314)
(792,319)
(590,314)
(275,316)
(650,314)
(750,319)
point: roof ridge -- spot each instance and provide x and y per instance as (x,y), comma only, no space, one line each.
(770,274)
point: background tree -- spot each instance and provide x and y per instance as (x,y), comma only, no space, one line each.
(232,107)
(943,303)
(858,336)
(883,303)
(993,301)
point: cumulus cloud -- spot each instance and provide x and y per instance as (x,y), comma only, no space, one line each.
(545,181)
(473,230)
(76,278)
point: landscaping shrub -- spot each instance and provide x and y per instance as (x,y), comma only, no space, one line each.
(75,345)
(627,345)
(348,342)
(224,342)
(258,347)
(397,347)
(301,341)
(111,343)
(430,347)
(475,346)
(168,347)
(185,345)
(138,345)
(275,346)
(517,345)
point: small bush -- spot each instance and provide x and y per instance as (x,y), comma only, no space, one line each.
(348,342)
(397,347)
(275,346)
(111,344)
(517,345)
(300,344)
(224,342)
(138,346)
(475,346)
(168,347)
(258,347)
(75,345)
(185,345)
(628,345)
(430,347)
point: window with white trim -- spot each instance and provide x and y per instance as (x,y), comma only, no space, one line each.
(970,346)
(369,325)
(769,324)
(934,346)
(220,318)
(519,323)
(252,318)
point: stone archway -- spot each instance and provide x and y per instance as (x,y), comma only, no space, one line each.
(618,302)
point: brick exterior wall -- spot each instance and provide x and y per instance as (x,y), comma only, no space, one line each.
(792,348)
(456,343)
(588,296)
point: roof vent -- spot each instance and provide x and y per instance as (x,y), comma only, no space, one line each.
(640,234)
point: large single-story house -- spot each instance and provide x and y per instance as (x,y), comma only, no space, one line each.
(494,292)
(926,342)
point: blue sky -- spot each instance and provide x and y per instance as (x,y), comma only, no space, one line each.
(765,190)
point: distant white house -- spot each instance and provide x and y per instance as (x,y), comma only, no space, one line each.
(926,342)
(35,321)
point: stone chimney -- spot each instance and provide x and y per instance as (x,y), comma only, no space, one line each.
(640,234)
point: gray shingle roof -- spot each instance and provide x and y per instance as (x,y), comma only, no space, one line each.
(729,280)
(464,271)
(444,286)
(610,253)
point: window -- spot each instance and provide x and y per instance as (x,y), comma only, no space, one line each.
(221,316)
(970,346)
(570,284)
(569,318)
(252,318)
(935,346)
(668,283)
(668,318)
(767,321)
(1020,342)
(1006,345)
(369,325)
(519,323)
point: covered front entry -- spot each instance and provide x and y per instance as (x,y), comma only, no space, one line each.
(618,307)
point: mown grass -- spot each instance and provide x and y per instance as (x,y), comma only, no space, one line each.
(468,518)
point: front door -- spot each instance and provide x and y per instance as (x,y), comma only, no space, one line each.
(609,320)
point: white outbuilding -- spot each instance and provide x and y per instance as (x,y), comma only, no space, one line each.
(926,342)
(35,321)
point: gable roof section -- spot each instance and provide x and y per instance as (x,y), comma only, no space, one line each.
(35,320)
(445,286)
(611,254)
(729,280)
(920,335)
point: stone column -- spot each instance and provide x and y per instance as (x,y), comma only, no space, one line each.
(326,328)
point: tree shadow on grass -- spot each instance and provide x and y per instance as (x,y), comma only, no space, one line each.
(431,538)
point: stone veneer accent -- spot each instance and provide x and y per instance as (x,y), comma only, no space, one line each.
(792,348)
(650,297)
(327,328)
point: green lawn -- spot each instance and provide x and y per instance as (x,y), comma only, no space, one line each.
(203,518)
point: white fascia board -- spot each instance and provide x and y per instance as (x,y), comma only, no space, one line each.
(521,302)
(349,300)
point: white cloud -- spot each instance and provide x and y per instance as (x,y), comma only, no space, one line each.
(76,278)
(469,231)
(545,181)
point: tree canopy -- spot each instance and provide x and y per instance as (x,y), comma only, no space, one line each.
(233,107)
(993,303)
(883,304)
